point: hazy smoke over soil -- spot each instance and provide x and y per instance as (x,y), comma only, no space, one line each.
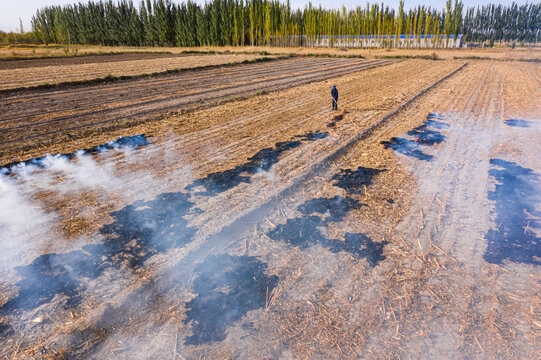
(136,258)
(514,236)
(21,221)
(227,287)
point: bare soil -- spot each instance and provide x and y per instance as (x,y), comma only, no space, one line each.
(72,69)
(7,63)
(273,227)
(33,117)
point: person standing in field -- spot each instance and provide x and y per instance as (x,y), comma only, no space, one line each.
(334,94)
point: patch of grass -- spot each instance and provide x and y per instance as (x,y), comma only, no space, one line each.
(432,56)
(199,52)
(263,59)
(77,54)
(324,55)
(110,77)
(226,52)
(395,57)
(28,46)
(471,58)
(530,60)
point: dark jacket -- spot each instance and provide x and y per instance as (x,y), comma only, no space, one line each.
(334,94)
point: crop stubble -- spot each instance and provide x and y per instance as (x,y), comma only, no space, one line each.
(73,113)
(52,74)
(388,302)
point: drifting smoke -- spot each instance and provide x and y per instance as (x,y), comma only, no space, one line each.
(223,288)
(21,221)
(27,231)
(138,232)
(123,143)
(42,268)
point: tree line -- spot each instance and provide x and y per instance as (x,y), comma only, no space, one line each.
(271,22)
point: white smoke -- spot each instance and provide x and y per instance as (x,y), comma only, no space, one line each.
(22,221)
(62,175)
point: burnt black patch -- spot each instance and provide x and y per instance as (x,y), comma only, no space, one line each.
(6,330)
(301,232)
(263,160)
(139,231)
(336,207)
(362,246)
(146,228)
(518,123)
(313,135)
(432,116)
(125,142)
(227,288)
(331,125)
(423,135)
(437,124)
(54,274)
(305,232)
(355,181)
(515,197)
(407,147)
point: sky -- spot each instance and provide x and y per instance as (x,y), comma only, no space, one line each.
(12,10)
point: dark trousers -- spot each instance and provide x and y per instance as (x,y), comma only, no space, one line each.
(334,104)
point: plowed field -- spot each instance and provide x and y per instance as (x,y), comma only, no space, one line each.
(404,225)
(26,73)
(44,114)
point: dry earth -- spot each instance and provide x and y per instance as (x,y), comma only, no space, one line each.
(25,76)
(405,225)
(33,117)
(86,59)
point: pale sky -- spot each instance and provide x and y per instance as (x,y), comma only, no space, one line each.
(12,10)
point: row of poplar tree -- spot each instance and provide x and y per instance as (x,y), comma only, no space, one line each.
(270,22)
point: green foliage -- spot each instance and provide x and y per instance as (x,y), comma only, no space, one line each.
(18,38)
(271,22)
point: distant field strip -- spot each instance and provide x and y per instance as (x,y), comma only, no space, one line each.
(38,75)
